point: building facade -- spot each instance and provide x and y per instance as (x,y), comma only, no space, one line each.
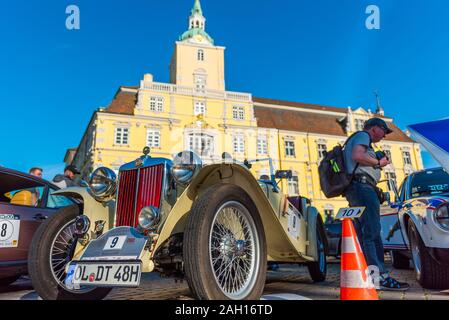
(195,112)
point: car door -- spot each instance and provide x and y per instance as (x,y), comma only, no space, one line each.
(19,223)
(391,231)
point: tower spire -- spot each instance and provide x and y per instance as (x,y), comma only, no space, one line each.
(197,25)
(197,8)
(379,109)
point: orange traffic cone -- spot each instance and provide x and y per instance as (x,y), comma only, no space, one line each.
(355,281)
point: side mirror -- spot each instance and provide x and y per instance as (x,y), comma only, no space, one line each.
(283,174)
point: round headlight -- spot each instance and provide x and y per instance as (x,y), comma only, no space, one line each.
(103,183)
(186,165)
(442,217)
(148,217)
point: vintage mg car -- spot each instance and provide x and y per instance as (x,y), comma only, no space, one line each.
(416,226)
(25,202)
(215,225)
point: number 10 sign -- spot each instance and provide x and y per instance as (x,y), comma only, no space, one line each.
(350,213)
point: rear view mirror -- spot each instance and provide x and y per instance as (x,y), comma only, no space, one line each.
(284,174)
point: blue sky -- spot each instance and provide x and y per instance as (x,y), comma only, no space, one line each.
(316,51)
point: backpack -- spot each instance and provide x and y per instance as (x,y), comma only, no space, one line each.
(334,179)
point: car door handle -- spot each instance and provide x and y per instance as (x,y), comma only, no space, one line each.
(40,217)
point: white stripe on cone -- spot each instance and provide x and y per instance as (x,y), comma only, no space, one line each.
(353,279)
(348,245)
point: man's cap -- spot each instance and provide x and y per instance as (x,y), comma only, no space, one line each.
(378,122)
(72,168)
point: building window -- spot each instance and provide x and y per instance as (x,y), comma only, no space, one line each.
(290,148)
(153,138)
(262,145)
(201,55)
(121,136)
(407,158)
(388,154)
(293,186)
(359,124)
(157,104)
(200,82)
(239,143)
(200,108)
(202,144)
(238,113)
(322,149)
(390,176)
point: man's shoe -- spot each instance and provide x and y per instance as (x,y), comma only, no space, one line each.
(391,284)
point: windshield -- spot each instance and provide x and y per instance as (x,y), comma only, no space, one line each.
(429,182)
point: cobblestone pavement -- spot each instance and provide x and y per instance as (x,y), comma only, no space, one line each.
(288,279)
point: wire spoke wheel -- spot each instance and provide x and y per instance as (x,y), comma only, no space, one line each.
(233,250)
(61,253)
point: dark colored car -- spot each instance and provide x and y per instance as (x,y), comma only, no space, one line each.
(25,201)
(333,234)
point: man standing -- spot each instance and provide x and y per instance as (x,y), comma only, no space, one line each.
(67,179)
(361,159)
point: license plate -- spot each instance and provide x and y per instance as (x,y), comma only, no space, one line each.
(9,230)
(106,274)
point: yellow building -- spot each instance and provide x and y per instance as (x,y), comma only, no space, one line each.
(195,112)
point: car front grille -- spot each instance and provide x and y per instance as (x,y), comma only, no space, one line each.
(138,188)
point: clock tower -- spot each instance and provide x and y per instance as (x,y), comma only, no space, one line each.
(197,62)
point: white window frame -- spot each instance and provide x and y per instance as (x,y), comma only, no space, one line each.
(199,107)
(238,142)
(290,148)
(262,145)
(407,158)
(153,138)
(200,82)
(238,113)
(293,186)
(322,148)
(195,142)
(156,103)
(200,55)
(359,124)
(121,136)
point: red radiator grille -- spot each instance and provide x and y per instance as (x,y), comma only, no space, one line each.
(148,193)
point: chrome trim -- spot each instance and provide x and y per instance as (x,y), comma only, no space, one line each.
(147,162)
(136,196)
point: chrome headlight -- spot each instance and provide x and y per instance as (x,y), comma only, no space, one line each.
(186,165)
(103,183)
(149,218)
(441,216)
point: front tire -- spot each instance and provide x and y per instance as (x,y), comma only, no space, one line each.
(318,269)
(225,255)
(429,273)
(51,250)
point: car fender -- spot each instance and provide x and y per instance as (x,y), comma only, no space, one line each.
(280,245)
(313,219)
(409,217)
(93,209)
